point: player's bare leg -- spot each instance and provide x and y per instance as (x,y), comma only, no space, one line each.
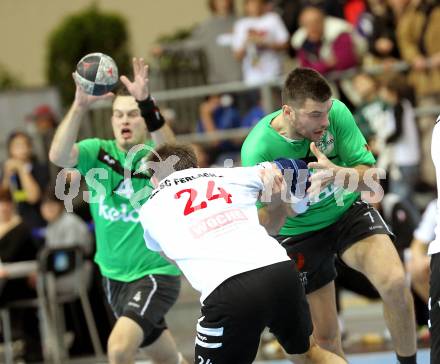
(124,341)
(127,336)
(326,333)
(377,258)
(316,355)
(164,350)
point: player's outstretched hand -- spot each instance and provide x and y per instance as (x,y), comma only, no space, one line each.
(324,174)
(274,184)
(84,100)
(139,87)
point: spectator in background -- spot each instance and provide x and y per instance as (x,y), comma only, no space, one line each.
(259,41)
(218,113)
(289,11)
(325,44)
(41,128)
(65,229)
(214,38)
(16,245)
(404,140)
(418,38)
(382,40)
(25,177)
(370,114)
(42,125)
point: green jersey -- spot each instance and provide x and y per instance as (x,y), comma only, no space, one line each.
(121,252)
(342,143)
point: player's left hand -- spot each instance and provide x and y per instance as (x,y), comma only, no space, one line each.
(325,172)
(139,87)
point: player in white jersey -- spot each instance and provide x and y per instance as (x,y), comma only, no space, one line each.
(434,251)
(206,221)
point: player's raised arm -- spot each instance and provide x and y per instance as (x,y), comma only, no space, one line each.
(63,151)
(139,89)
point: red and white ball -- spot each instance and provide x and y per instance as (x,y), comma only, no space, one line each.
(96,74)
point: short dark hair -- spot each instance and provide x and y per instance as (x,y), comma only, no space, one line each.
(305,83)
(121,90)
(186,158)
(16,134)
(5,195)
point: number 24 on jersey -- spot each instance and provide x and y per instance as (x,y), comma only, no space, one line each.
(210,196)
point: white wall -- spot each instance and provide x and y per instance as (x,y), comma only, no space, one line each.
(26,24)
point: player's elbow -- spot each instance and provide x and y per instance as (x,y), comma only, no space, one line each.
(59,160)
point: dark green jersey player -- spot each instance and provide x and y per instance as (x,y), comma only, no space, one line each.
(139,284)
(320,130)
(264,143)
(121,252)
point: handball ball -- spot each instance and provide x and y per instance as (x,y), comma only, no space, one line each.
(96,74)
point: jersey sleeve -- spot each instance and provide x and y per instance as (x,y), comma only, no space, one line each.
(88,153)
(426,229)
(251,155)
(248,177)
(351,144)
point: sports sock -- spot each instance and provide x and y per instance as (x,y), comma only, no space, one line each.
(407,359)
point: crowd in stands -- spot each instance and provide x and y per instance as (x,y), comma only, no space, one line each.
(258,47)
(331,37)
(32,217)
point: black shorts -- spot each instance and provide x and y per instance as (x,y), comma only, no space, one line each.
(236,312)
(145,301)
(314,252)
(434,308)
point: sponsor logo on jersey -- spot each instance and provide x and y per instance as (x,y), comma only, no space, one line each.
(109,160)
(217,221)
(110,213)
(327,143)
(137,296)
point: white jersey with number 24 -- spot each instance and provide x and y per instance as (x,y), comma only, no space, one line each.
(206,220)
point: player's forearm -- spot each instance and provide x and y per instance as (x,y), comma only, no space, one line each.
(163,135)
(62,151)
(272,218)
(160,132)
